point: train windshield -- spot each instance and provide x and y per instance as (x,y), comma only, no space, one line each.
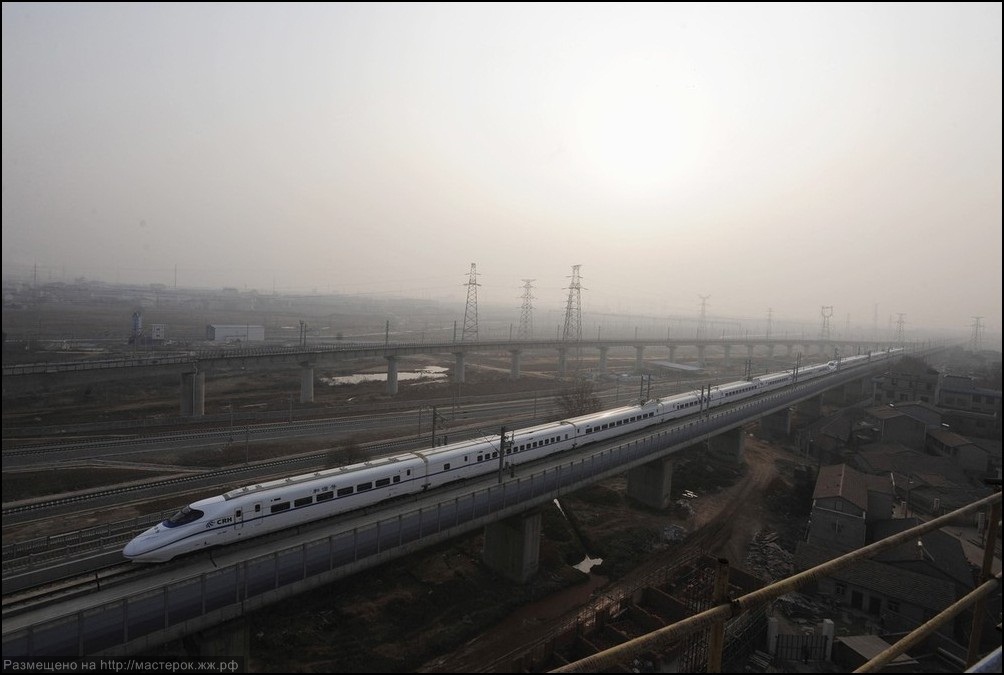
(183,517)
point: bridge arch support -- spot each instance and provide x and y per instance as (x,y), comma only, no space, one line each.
(193,394)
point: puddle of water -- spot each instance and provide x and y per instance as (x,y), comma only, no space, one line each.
(428,373)
(588,564)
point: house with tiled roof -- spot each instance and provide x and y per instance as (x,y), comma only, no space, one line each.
(900,597)
(844,503)
(910,379)
(892,425)
(962,451)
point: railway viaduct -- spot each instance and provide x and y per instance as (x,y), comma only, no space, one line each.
(192,367)
(196,594)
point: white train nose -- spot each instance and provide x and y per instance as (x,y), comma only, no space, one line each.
(141,545)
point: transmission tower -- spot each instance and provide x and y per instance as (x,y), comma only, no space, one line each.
(826,312)
(526,312)
(471,311)
(702,323)
(900,333)
(573,310)
(976,343)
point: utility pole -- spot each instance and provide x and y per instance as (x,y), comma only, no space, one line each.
(702,323)
(502,444)
(471,310)
(526,312)
(826,312)
(433,426)
(976,341)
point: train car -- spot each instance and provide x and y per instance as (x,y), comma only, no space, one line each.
(279,504)
(289,502)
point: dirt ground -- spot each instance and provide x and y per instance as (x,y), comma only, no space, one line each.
(722,524)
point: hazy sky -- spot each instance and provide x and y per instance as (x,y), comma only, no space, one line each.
(771,156)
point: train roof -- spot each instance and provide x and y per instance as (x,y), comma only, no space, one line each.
(601,415)
(324,473)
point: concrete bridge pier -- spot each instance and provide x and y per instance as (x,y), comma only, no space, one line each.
(512,546)
(650,483)
(514,366)
(639,359)
(562,361)
(391,375)
(728,444)
(458,369)
(306,382)
(776,425)
(219,642)
(859,389)
(193,394)
(850,393)
(812,408)
(603,359)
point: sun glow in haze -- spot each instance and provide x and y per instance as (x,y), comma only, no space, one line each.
(636,127)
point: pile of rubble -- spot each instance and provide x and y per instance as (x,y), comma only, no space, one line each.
(766,559)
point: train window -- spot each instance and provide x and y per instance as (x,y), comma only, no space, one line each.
(362,487)
(383,482)
(495,454)
(446,467)
(303,501)
(276,508)
(183,517)
(238,513)
(408,472)
(480,457)
(465,458)
(345,492)
(589,430)
(325,496)
(257,508)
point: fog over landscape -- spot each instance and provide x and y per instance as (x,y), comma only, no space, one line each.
(781,157)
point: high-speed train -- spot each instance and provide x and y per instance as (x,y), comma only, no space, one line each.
(288,502)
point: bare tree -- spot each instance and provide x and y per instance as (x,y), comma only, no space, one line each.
(578,398)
